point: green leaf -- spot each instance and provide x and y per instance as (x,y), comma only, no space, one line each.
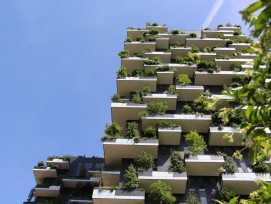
(234,200)
(252,155)
(254,7)
(249,111)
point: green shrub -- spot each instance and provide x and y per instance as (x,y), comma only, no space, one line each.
(236,66)
(131,182)
(161,193)
(152,38)
(195,142)
(128,39)
(163,68)
(220,25)
(229,42)
(137,97)
(183,80)
(172,90)
(141,54)
(237,33)
(154,61)
(201,105)
(115,98)
(132,130)
(150,132)
(187,109)
(192,198)
(228,25)
(208,49)
(208,66)
(122,72)
(180,60)
(137,72)
(140,39)
(146,90)
(231,116)
(165,124)
(175,32)
(155,24)
(111,131)
(154,31)
(157,107)
(192,35)
(150,72)
(195,49)
(260,167)
(177,164)
(145,161)
(41,163)
(226,194)
(229,165)
(124,54)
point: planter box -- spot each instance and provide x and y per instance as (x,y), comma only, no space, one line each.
(234,28)
(46,191)
(131,63)
(169,136)
(224,100)
(174,38)
(204,165)
(171,100)
(132,84)
(205,42)
(187,122)
(234,37)
(44,172)
(134,33)
(248,56)
(103,196)
(225,64)
(216,137)
(176,181)
(179,51)
(73,182)
(59,164)
(136,47)
(117,149)
(244,183)
(215,79)
(215,33)
(189,93)
(162,29)
(165,77)
(240,46)
(224,50)
(164,56)
(121,112)
(162,43)
(207,56)
(184,69)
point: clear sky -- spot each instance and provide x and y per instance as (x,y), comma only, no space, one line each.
(58,63)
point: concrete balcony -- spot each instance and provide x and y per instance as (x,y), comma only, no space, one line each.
(224,100)
(135,33)
(215,79)
(171,100)
(234,37)
(179,51)
(47,191)
(72,182)
(184,69)
(174,38)
(75,200)
(131,63)
(121,112)
(189,93)
(164,56)
(244,183)
(117,149)
(169,136)
(165,77)
(59,163)
(103,196)
(204,165)
(162,29)
(205,42)
(232,28)
(216,136)
(127,85)
(239,46)
(215,33)
(43,172)
(111,178)
(248,56)
(135,47)
(226,64)
(224,51)
(207,56)
(187,122)
(162,43)
(177,181)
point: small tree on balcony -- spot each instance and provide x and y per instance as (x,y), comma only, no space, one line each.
(115,98)
(145,161)
(183,80)
(201,105)
(172,90)
(157,107)
(150,132)
(177,164)
(131,182)
(111,131)
(161,193)
(124,54)
(195,143)
(122,72)
(132,130)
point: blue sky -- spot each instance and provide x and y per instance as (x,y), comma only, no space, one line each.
(58,62)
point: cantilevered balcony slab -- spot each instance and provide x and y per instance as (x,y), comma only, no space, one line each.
(215,33)
(189,93)
(162,29)
(135,46)
(169,136)
(165,77)
(44,172)
(72,182)
(135,33)
(215,79)
(59,163)
(239,46)
(235,37)
(204,165)
(162,43)
(233,28)
(216,136)
(179,51)
(177,181)
(248,56)
(165,57)
(224,51)
(131,63)
(224,100)
(121,112)
(205,42)
(174,38)
(226,64)
(244,183)
(131,84)
(171,100)
(187,122)
(46,191)
(117,149)
(77,200)
(207,56)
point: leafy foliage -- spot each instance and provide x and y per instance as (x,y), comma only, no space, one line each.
(111,131)
(187,109)
(122,72)
(161,193)
(183,80)
(124,54)
(131,182)
(150,132)
(157,107)
(177,164)
(137,72)
(154,31)
(192,198)
(195,142)
(209,66)
(145,161)
(132,130)
(137,97)
(115,98)
(236,66)
(165,124)
(172,90)
(226,194)
(201,105)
